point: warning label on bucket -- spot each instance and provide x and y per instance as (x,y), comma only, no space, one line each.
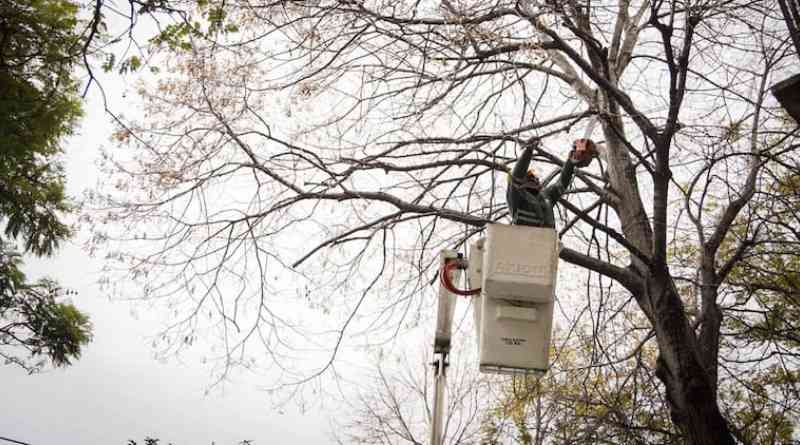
(513,341)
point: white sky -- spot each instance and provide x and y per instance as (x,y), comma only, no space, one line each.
(117,391)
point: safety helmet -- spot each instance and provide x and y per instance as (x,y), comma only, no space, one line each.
(532,179)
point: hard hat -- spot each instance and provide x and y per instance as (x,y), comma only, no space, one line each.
(529,177)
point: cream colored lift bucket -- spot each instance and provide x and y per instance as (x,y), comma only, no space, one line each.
(517,267)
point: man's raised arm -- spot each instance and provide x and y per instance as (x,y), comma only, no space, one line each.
(521,167)
(583,150)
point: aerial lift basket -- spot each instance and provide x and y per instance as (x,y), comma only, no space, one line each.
(513,315)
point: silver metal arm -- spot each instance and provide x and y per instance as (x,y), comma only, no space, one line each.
(441,349)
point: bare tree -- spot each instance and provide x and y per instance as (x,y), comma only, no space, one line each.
(298,159)
(393,405)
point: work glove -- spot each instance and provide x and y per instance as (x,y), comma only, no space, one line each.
(583,150)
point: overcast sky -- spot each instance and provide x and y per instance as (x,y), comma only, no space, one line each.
(118,391)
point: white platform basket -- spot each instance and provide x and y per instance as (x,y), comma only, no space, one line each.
(512,331)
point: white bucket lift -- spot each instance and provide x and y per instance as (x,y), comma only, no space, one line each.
(513,272)
(516,267)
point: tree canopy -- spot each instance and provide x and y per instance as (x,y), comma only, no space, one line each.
(305,161)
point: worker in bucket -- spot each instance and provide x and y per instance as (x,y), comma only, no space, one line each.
(529,203)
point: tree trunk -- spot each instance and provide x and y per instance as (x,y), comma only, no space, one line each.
(687,370)
(690,393)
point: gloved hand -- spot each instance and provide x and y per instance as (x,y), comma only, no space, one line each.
(583,150)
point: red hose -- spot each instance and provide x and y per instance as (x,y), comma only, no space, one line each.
(444,278)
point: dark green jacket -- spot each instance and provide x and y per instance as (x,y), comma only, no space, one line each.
(529,207)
